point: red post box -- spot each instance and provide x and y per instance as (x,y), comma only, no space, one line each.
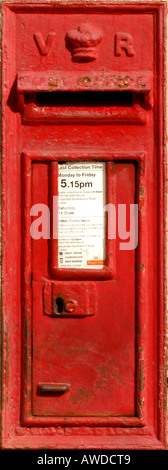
(83,226)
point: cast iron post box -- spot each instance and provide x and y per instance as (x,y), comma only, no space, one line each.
(83,225)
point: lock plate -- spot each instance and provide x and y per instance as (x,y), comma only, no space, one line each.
(69,299)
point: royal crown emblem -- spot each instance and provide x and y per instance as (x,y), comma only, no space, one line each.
(83,43)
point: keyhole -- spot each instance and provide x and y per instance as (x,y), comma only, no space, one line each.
(60,304)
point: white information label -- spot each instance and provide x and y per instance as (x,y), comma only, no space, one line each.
(81,216)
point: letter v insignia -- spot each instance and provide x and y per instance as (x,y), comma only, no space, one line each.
(44,46)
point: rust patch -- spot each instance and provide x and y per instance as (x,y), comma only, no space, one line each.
(84,81)
(82,394)
(142,190)
(142,268)
(107,371)
(142,168)
(123,82)
(140,82)
(77,351)
(102,371)
(141,376)
(141,197)
(53,83)
(101,385)
(141,404)
(6,345)
(27,356)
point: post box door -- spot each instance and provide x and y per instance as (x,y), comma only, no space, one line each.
(88,353)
